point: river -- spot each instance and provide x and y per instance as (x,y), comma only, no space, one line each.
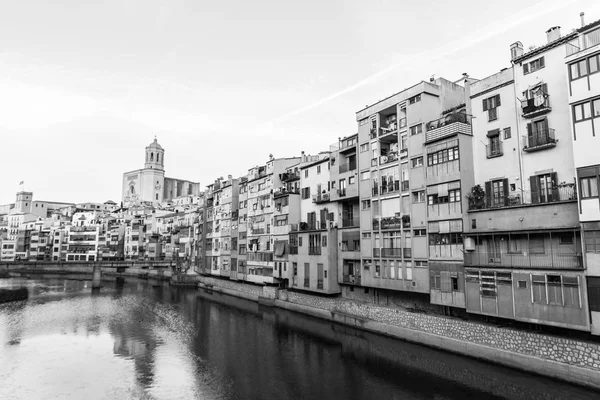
(139,339)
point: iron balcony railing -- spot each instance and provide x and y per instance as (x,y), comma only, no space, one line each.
(536,106)
(319,283)
(351,279)
(388,158)
(290,176)
(539,140)
(349,222)
(314,251)
(320,198)
(306,282)
(557,194)
(350,166)
(341,192)
(494,149)
(448,125)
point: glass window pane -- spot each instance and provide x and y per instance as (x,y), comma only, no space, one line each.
(593,64)
(574,73)
(593,187)
(582,67)
(596,107)
(587,111)
(578,113)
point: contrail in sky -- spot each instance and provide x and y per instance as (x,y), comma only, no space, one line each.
(535,11)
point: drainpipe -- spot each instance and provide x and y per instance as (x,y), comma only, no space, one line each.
(519,152)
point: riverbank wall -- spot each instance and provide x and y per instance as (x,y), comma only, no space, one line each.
(571,360)
(156,270)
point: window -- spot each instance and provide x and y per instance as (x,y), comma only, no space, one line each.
(306,173)
(366,235)
(324,241)
(589,187)
(594,62)
(417,162)
(351,180)
(533,65)
(578,69)
(415,130)
(442,156)
(438,239)
(366,204)
(491,105)
(318,169)
(305,192)
(538,286)
(365,175)
(507,133)
(419,232)
(414,99)
(592,241)
(435,199)
(583,111)
(494,145)
(536,243)
(454,196)
(419,196)
(364,147)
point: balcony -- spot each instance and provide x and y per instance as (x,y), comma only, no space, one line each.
(388,158)
(290,176)
(561,193)
(259,174)
(535,107)
(306,282)
(539,140)
(351,279)
(404,185)
(350,222)
(560,260)
(389,187)
(389,252)
(494,150)
(387,223)
(350,166)
(341,192)
(293,249)
(449,125)
(373,134)
(320,198)
(314,251)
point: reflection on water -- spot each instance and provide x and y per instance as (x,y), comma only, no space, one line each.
(135,339)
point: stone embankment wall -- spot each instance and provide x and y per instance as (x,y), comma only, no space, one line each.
(158,271)
(569,359)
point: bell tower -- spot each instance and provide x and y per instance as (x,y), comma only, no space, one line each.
(155,156)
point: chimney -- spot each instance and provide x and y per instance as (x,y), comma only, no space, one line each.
(516,50)
(581,14)
(553,33)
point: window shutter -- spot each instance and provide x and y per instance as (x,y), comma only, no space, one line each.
(505,185)
(485,105)
(488,193)
(497,100)
(542,62)
(535,189)
(529,130)
(525,68)
(545,88)
(554,178)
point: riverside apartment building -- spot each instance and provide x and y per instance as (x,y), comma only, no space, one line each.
(414,152)
(523,256)
(583,67)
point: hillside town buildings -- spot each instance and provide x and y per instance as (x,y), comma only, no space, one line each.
(474,197)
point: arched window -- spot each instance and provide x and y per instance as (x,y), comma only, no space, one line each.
(132,190)
(151,156)
(157,157)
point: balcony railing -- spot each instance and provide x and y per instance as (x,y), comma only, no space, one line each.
(293,249)
(349,222)
(306,282)
(351,279)
(341,192)
(350,166)
(494,149)
(448,125)
(388,158)
(534,107)
(314,251)
(320,198)
(387,223)
(290,176)
(558,259)
(391,252)
(319,283)
(539,140)
(389,187)
(565,192)
(386,130)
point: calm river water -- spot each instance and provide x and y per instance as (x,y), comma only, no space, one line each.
(143,340)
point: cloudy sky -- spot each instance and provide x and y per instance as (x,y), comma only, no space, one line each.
(86,85)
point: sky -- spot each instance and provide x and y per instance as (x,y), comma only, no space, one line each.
(85,86)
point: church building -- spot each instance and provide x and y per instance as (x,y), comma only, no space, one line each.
(150,186)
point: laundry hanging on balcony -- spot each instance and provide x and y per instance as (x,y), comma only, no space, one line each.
(279,248)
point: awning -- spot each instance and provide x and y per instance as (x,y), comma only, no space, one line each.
(279,248)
